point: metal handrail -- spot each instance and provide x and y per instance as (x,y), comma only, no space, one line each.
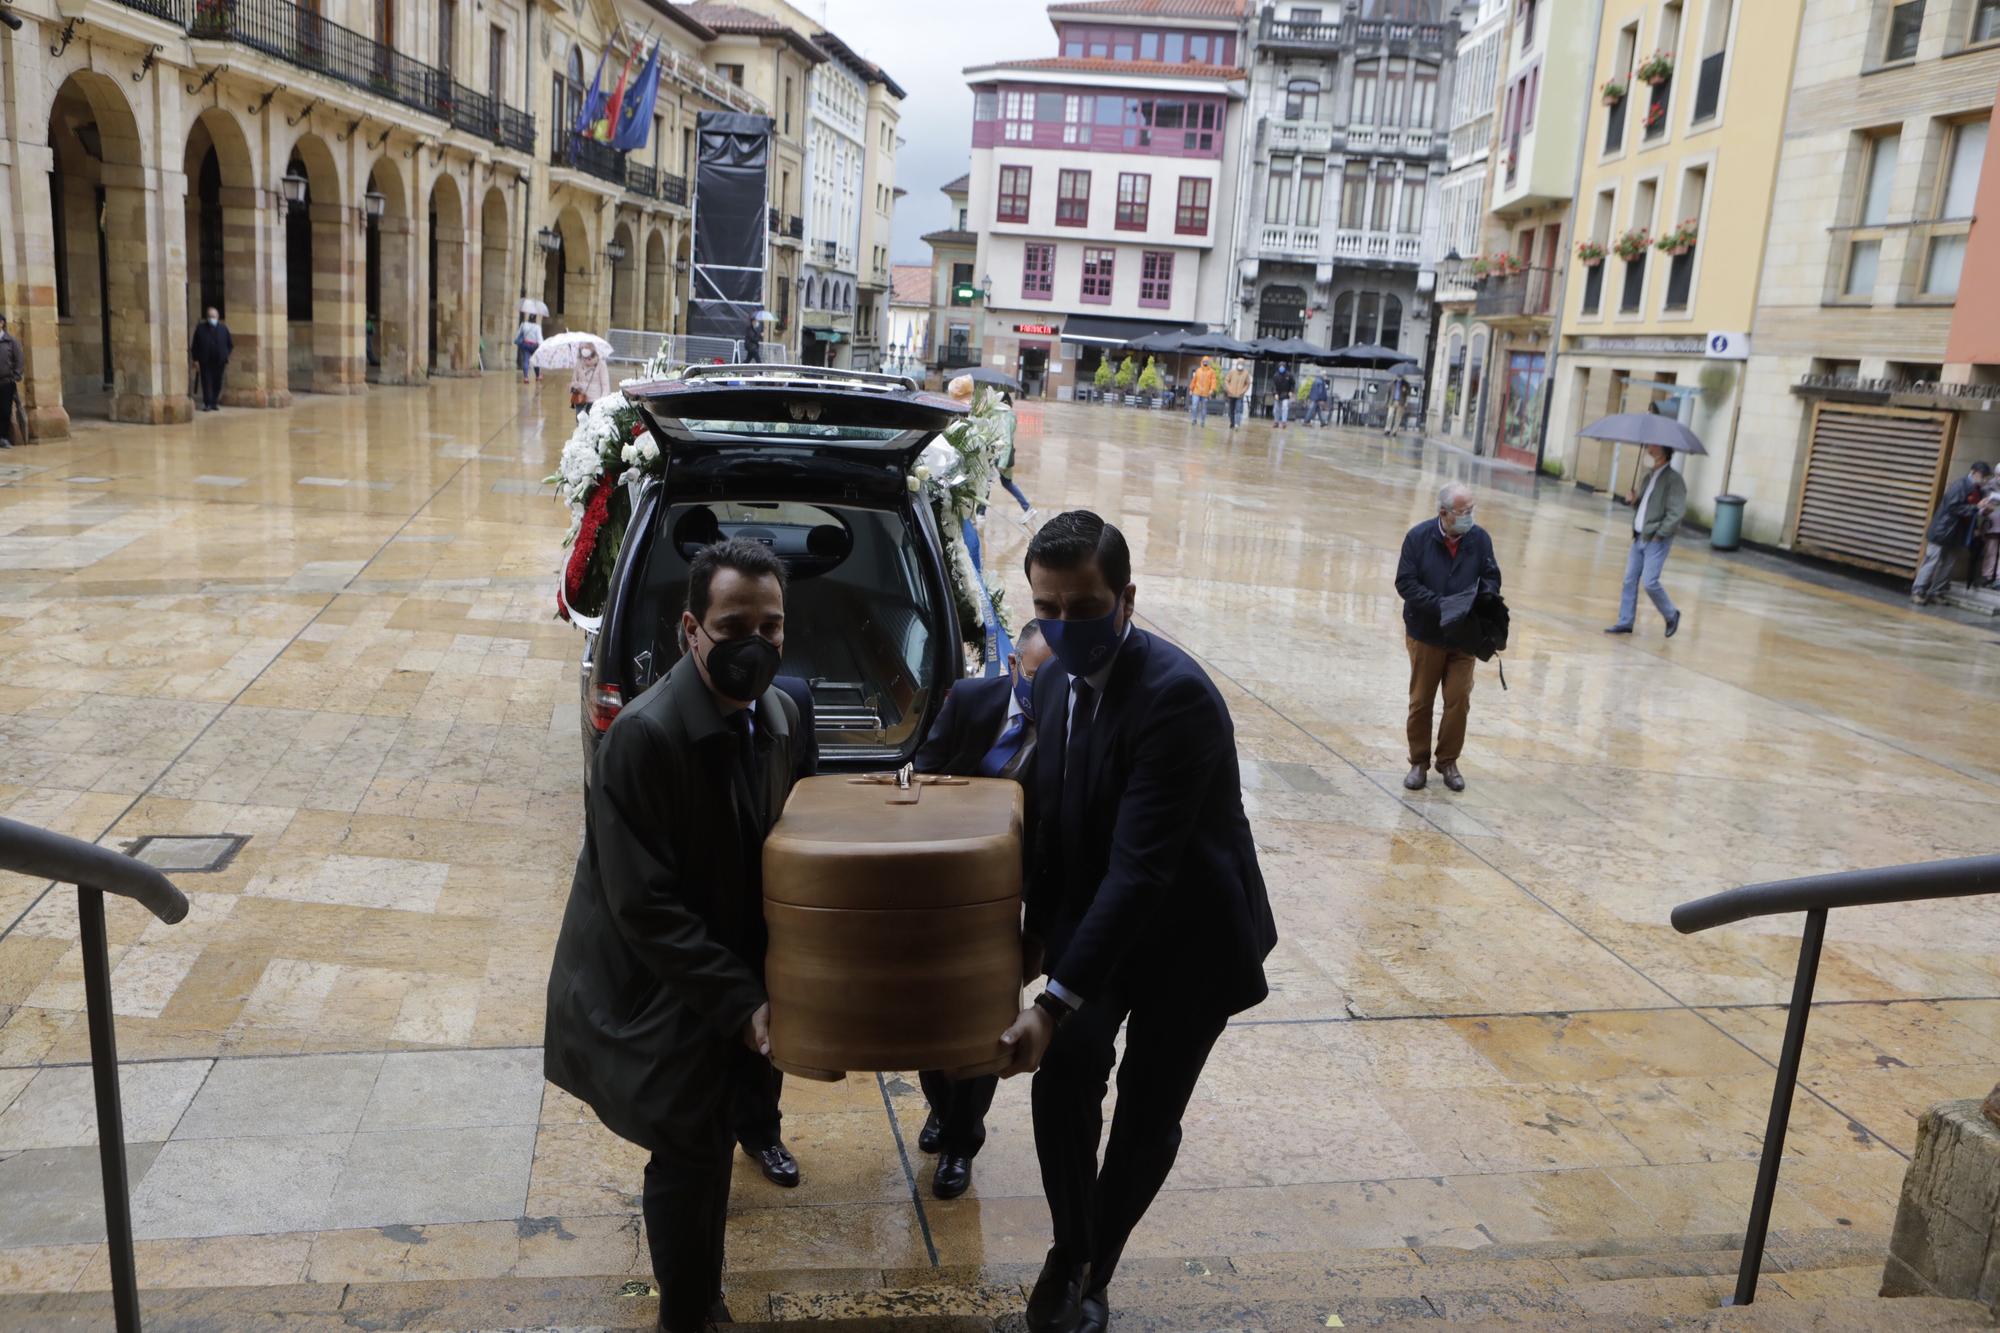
(1815,895)
(96,871)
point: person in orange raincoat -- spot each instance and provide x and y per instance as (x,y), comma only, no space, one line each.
(1201,388)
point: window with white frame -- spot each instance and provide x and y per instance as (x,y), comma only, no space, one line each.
(1864,245)
(1906,26)
(1278,192)
(1958,190)
(1985,21)
(1312,175)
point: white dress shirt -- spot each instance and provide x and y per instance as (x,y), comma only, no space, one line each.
(1639,518)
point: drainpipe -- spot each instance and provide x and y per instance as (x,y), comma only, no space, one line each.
(527,100)
(1575,211)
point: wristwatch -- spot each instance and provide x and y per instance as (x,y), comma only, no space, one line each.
(1053,1007)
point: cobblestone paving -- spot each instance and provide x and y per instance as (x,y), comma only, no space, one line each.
(327,630)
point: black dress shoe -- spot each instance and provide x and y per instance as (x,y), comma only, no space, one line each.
(1416,778)
(1055,1303)
(927,1139)
(1673,626)
(777,1164)
(952,1177)
(1094,1313)
(1453,779)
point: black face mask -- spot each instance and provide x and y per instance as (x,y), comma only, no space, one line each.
(742,669)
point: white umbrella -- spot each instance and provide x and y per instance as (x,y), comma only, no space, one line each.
(764,317)
(530,306)
(560,352)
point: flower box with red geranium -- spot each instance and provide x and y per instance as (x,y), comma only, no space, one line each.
(1631,246)
(1591,253)
(1613,91)
(1681,239)
(1657,68)
(1479,268)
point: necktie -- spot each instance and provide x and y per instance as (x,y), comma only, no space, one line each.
(747,770)
(1076,764)
(1002,754)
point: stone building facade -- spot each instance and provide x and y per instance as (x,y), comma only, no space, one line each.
(1873,359)
(366,191)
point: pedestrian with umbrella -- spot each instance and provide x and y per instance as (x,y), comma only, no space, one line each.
(527,339)
(1659,504)
(586,356)
(753,339)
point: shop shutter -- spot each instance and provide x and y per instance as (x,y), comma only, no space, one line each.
(1872,482)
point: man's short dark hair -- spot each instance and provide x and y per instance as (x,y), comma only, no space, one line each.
(1031,633)
(751,559)
(1074,539)
(1983,468)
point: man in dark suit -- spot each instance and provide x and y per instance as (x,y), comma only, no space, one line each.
(657,1013)
(757,1115)
(985,729)
(209,350)
(1144,897)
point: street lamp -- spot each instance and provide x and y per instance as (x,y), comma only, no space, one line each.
(293,187)
(549,239)
(373,205)
(614,251)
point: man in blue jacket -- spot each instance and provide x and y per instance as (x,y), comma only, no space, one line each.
(1441,556)
(1144,889)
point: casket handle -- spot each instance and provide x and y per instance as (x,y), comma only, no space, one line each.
(908,782)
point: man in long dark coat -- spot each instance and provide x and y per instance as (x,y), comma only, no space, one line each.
(657,1016)
(209,349)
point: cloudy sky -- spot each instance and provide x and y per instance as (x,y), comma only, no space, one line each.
(924,44)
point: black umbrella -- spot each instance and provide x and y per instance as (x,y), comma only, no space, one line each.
(1167,340)
(1293,349)
(1644,428)
(999,379)
(1370,356)
(1216,344)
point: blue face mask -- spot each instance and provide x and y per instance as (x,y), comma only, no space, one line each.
(1024,692)
(1084,646)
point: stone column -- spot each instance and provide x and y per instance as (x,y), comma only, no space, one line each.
(339,356)
(256,375)
(396,340)
(34,306)
(146,293)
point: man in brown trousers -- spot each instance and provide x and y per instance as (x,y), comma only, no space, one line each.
(1442,556)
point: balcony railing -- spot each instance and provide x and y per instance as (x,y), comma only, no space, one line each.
(590,157)
(1531,292)
(828,252)
(1348,244)
(1403,37)
(1635,286)
(173,11)
(1390,139)
(795,227)
(1680,280)
(1283,32)
(1291,242)
(301,37)
(1306,136)
(950,356)
(673,189)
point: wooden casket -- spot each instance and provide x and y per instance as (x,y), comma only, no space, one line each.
(895,925)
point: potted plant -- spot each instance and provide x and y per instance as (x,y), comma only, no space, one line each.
(1681,239)
(1127,372)
(1507,264)
(1591,253)
(1631,246)
(1102,379)
(1656,114)
(1657,68)
(1478,267)
(1150,382)
(1613,91)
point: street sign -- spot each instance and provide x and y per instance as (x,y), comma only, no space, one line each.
(964,293)
(1728,347)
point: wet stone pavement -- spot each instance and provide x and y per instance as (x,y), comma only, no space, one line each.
(326,632)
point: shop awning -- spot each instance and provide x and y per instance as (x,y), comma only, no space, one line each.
(1104,331)
(827,335)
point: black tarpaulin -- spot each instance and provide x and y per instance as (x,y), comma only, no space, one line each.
(730,241)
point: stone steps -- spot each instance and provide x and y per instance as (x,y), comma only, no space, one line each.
(1812,1281)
